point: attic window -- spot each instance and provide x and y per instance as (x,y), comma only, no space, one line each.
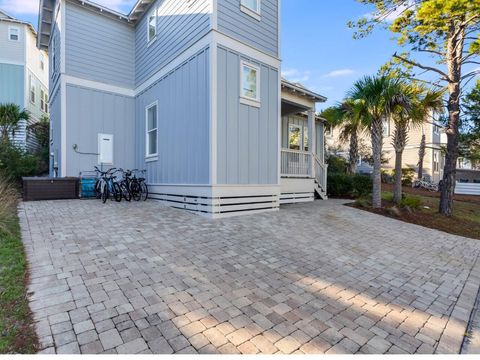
(13,33)
(152,26)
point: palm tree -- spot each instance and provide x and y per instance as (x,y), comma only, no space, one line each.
(421,156)
(344,115)
(377,98)
(418,104)
(10,116)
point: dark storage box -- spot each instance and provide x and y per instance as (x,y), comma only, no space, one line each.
(35,188)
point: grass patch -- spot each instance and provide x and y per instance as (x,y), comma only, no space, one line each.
(422,209)
(17,334)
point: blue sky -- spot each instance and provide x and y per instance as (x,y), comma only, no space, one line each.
(318,49)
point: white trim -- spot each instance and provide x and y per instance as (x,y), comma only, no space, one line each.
(63,126)
(153,12)
(213,113)
(279,121)
(149,156)
(10,28)
(214,14)
(250,12)
(8,62)
(256,99)
(250,102)
(62,30)
(72,80)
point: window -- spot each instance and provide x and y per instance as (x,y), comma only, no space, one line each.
(305,138)
(250,85)
(151,130)
(42,62)
(294,137)
(386,128)
(436,164)
(152,26)
(53,51)
(251,8)
(43,100)
(13,33)
(31,86)
(328,131)
(436,129)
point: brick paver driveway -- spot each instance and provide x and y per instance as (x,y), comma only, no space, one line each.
(313,278)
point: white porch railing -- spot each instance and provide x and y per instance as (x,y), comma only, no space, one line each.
(296,163)
(321,173)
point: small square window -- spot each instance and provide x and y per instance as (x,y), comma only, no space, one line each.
(250,82)
(253,5)
(152,26)
(151,130)
(13,33)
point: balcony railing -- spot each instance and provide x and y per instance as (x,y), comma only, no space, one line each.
(296,163)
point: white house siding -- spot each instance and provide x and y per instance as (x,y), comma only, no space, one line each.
(90,112)
(183,125)
(98,48)
(179,25)
(12,51)
(247,136)
(261,34)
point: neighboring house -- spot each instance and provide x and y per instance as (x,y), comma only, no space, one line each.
(189,90)
(23,75)
(434,160)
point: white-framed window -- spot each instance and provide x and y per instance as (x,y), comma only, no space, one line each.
(251,7)
(42,61)
(152,26)
(436,162)
(386,128)
(31,87)
(43,101)
(294,137)
(436,129)
(13,33)
(151,130)
(249,81)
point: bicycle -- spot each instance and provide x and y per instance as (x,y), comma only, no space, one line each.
(125,184)
(138,185)
(106,185)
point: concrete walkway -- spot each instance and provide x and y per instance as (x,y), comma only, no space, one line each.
(313,278)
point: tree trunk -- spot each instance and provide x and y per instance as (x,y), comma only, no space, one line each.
(353,154)
(377,142)
(454,64)
(397,188)
(421,156)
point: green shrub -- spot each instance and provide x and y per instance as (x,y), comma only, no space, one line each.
(342,185)
(8,198)
(412,202)
(408,175)
(337,164)
(15,162)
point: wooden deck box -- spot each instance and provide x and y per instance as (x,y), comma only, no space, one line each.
(36,188)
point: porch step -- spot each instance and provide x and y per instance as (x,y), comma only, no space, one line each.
(320,191)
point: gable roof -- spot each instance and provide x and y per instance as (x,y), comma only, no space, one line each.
(11,19)
(301,90)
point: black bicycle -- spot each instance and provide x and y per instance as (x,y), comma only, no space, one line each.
(106,185)
(137,185)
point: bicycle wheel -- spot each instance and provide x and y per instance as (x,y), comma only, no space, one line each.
(135,190)
(97,189)
(117,192)
(104,193)
(125,193)
(144,191)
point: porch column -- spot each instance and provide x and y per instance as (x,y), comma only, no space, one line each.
(312,136)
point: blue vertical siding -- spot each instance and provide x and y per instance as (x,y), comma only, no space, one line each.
(12,84)
(55,130)
(54,66)
(263,34)
(183,125)
(179,25)
(247,136)
(98,48)
(90,112)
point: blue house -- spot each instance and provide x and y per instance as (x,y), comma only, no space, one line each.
(191,91)
(23,75)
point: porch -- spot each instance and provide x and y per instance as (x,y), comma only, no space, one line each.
(302,162)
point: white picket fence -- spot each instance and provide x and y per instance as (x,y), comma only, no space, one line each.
(467,189)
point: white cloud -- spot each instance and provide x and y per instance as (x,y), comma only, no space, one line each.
(340,72)
(20,6)
(391,17)
(296,76)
